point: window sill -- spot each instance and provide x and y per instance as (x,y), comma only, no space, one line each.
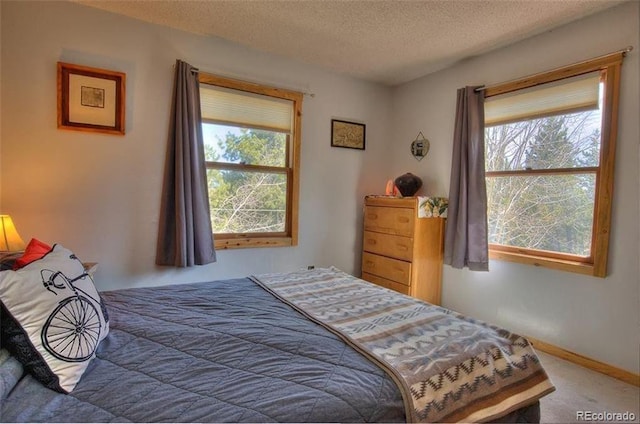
(251,242)
(553,263)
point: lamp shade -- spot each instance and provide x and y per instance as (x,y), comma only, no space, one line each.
(10,240)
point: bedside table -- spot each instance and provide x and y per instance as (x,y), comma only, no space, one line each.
(90,267)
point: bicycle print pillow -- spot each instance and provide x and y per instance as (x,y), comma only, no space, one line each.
(52,318)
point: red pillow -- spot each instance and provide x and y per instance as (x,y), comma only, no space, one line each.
(34,251)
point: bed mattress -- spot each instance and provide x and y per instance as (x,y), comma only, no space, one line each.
(222,351)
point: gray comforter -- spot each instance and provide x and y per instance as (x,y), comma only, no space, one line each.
(223,351)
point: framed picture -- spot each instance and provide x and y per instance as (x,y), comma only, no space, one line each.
(90,99)
(347,134)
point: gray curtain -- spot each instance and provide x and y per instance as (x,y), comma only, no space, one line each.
(466,233)
(184,236)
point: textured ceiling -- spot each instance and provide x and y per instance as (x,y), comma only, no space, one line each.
(387,41)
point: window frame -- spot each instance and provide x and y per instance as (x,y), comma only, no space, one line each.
(609,67)
(292,169)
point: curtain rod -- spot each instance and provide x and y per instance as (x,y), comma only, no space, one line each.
(623,51)
(304,93)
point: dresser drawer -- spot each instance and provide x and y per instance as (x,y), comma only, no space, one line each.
(391,269)
(398,247)
(383,282)
(397,221)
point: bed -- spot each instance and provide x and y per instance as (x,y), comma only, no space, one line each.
(220,351)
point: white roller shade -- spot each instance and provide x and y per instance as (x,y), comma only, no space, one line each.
(245,109)
(561,97)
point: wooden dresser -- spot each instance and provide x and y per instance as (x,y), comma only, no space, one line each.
(401,251)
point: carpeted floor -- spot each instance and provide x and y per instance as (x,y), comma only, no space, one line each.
(580,389)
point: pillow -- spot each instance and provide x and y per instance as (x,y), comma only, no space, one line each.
(34,251)
(52,318)
(8,260)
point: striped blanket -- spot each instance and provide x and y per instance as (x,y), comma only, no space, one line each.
(450,368)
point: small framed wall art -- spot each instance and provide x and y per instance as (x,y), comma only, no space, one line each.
(420,147)
(91,99)
(347,134)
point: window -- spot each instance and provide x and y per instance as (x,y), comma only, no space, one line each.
(549,154)
(252,149)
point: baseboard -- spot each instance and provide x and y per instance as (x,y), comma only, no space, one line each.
(592,364)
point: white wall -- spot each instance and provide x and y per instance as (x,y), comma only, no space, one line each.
(595,317)
(99,194)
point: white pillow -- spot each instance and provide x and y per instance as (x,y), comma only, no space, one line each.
(52,318)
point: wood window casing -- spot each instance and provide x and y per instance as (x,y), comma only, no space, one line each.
(596,263)
(289,237)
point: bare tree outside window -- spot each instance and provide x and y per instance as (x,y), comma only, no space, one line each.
(544,198)
(247,201)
